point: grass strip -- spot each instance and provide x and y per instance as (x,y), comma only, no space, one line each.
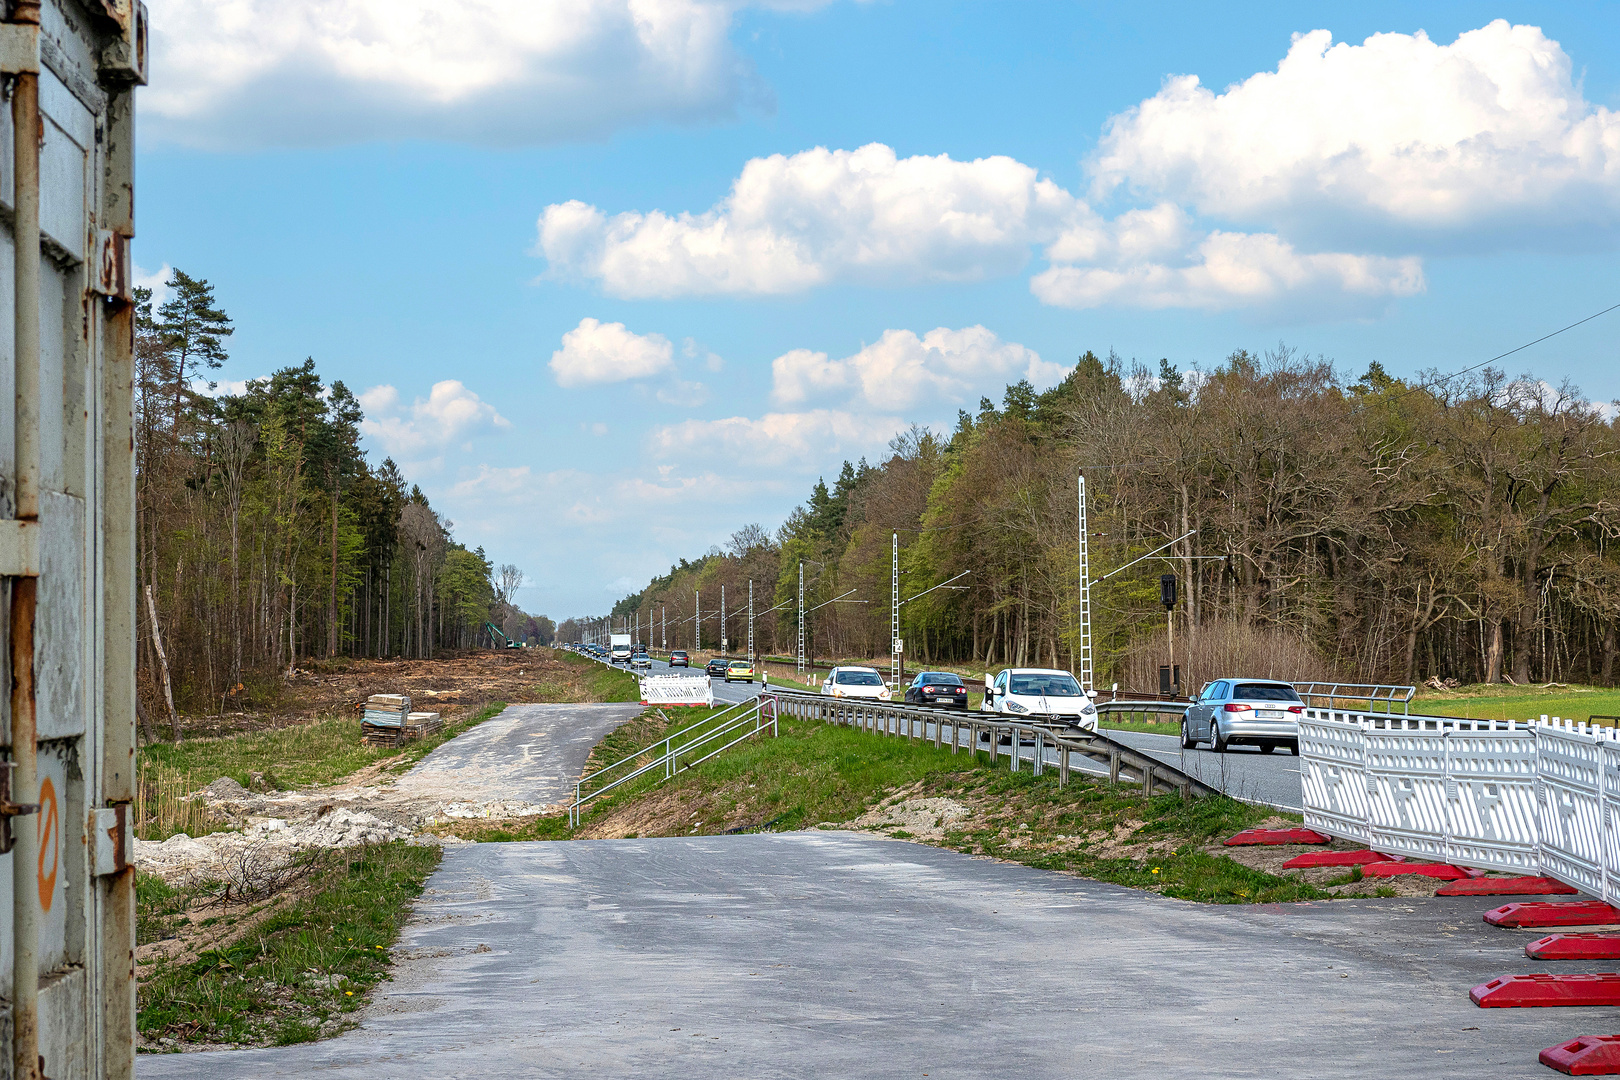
(821,774)
(299,973)
(603,683)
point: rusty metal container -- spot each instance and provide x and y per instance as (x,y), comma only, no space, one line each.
(68,72)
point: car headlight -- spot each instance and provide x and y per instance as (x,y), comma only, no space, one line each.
(1013,706)
(883,694)
(1089,709)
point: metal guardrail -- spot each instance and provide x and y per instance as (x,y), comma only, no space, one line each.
(1125,764)
(1330,695)
(667,753)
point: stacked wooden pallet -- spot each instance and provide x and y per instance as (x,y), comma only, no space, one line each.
(389,721)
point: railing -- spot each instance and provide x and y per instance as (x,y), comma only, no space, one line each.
(1538,797)
(667,753)
(1330,695)
(1125,763)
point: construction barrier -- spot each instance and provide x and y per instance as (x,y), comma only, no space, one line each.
(677,690)
(1530,798)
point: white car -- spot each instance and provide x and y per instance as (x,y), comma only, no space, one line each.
(856,682)
(1045,694)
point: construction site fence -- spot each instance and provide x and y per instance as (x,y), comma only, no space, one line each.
(1528,797)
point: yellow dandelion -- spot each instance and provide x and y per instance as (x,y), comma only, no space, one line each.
(349,992)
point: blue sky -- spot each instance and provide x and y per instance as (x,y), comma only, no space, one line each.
(596,389)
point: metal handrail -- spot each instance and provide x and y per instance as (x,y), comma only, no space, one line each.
(1372,693)
(672,754)
(866,713)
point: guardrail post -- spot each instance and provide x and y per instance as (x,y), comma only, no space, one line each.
(1113,767)
(939,731)
(1063,763)
(1016,746)
(1147,781)
(911,724)
(956,736)
(1040,752)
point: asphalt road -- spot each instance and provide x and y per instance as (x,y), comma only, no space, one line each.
(837,954)
(1242,772)
(529,754)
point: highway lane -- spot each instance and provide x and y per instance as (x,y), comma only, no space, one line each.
(1242,772)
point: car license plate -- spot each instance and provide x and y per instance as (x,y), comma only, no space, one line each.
(1270,714)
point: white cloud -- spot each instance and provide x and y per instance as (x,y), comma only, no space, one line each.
(901,369)
(791,223)
(301,72)
(803,441)
(218,388)
(1236,270)
(449,413)
(1400,132)
(597,352)
(156,280)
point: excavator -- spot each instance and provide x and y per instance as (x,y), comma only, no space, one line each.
(496,635)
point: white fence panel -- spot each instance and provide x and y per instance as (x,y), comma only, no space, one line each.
(1406,780)
(1491,796)
(677,690)
(1569,814)
(1333,773)
(1610,755)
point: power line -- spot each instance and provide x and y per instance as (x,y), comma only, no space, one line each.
(1502,356)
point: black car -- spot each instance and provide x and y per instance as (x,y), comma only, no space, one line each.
(678,658)
(937,688)
(716,668)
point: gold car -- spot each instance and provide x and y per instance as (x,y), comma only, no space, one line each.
(741,670)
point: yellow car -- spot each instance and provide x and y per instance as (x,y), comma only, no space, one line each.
(740,669)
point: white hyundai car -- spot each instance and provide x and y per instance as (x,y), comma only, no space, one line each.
(856,682)
(1045,694)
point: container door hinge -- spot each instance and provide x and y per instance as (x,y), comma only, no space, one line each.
(9,809)
(114,838)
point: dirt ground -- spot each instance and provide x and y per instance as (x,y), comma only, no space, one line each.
(453,684)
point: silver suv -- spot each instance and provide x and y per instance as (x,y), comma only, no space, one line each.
(1258,712)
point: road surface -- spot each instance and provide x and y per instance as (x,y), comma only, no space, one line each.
(1242,772)
(838,954)
(529,755)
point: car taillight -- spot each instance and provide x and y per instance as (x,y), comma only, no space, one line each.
(1235,707)
(1296,708)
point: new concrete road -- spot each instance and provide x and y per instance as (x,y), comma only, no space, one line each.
(832,954)
(528,755)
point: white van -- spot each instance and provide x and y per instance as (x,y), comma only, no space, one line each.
(1045,694)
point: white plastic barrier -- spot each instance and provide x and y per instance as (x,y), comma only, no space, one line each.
(1333,772)
(1569,814)
(677,690)
(1491,796)
(1429,787)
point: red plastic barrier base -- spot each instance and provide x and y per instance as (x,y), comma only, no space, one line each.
(1277,836)
(1433,870)
(1546,913)
(1506,886)
(1589,1055)
(1333,858)
(1575,947)
(1542,991)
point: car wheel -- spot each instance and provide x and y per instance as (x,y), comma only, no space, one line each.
(1293,748)
(1187,742)
(1217,741)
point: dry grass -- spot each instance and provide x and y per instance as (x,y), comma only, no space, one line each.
(1226,648)
(162,808)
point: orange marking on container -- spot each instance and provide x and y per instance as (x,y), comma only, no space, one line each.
(47,843)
